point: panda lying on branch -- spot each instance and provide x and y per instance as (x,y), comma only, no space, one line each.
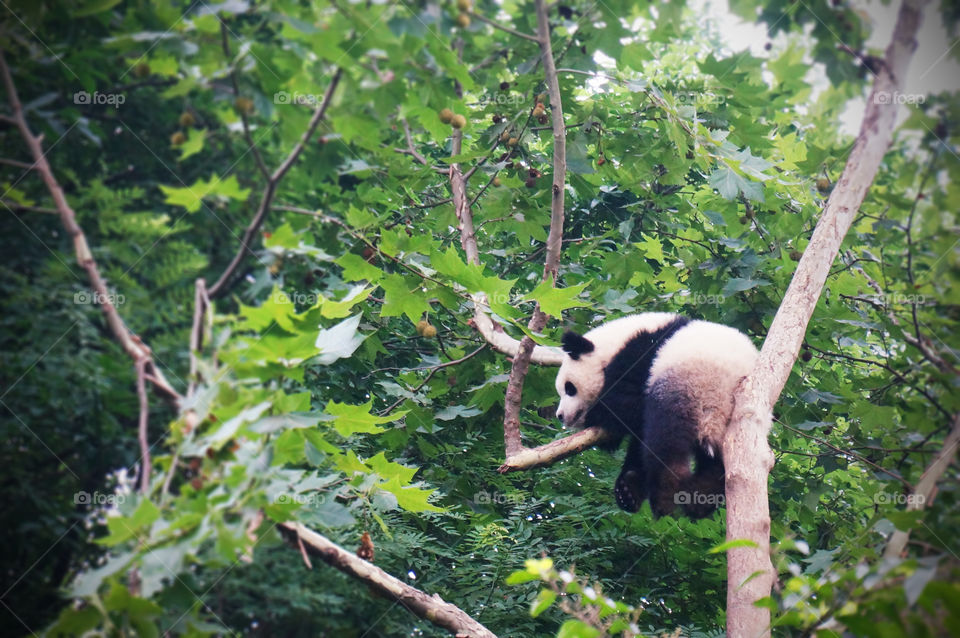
(667,382)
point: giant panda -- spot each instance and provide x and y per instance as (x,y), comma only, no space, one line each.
(667,383)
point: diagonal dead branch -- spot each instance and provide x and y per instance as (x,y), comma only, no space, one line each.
(131,343)
(431,608)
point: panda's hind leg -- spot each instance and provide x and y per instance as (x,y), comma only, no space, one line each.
(670,439)
(705,487)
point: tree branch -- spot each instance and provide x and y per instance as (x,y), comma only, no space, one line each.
(505,29)
(926,486)
(270,189)
(142,425)
(521,362)
(529,458)
(131,344)
(430,608)
(747,456)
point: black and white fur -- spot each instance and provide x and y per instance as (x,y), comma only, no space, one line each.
(667,382)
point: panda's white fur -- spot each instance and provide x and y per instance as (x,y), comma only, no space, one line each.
(586,373)
(665,381)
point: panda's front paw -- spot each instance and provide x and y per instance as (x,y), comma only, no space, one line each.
(629,491)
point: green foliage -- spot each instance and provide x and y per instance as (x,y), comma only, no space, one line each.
(318,399)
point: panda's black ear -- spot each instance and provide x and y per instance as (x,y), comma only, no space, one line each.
(576,345)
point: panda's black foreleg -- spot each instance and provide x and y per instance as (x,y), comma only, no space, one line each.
(630,488)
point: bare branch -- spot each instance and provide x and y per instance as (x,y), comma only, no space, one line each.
(747,455)
(15,163)
(130,343)
(529,458)
(926,486)
(430,608)
(270,189)
(145,462)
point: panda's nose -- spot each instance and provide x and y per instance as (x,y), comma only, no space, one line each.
(560,416)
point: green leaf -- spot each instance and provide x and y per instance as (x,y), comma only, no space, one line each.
(402,296)
(194,143)
(577,629)
(738,542)
(354,419)
(412,499)
(191,197)
(542,602)
(554,301)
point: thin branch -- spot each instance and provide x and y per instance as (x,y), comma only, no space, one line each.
(225,43)
(430,608)
(926,486)
(29,209)
(505,29)
(16,163)
(131,344)
(270,189)
(433,370)
(196,332)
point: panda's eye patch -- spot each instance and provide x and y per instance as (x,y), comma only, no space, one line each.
(570,389)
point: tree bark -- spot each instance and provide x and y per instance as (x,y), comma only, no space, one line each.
(747,455)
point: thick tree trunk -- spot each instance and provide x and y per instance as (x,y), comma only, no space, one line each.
(747,456)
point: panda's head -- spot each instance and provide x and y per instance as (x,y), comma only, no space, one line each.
(581,379)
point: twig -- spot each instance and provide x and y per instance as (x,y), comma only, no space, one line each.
(225,43)
(505,29)
(16,163)
(430,608)
(270,189)
(433,370)
(29,209)
(131,344)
